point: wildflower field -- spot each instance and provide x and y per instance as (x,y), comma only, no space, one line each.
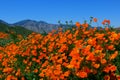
(78,53)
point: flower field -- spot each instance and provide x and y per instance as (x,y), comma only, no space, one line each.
(78,53)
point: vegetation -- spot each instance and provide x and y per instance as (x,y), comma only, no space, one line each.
(79,53)
(9,34)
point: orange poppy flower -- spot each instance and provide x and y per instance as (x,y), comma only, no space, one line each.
(86,69)
(69,36)
(95,19)
(70,66)
(113,68)
(57,72)
(108,21)
(35,71)
(34,59)
(38,61)
(111,47)
(65,64)
(96,66)
(60,60)
(107,77)
(103,61)
(78,24)
(10,77)
(106,69)
(18,72)
(22,78)
(1,56)
(62,77)
(85,25)
(113,56)
(25,61)
(41,74)
(58,67)
(82,74)
(30,63)
(34,53)
(118,77)
(90,57)
(67,73)
(74,53)
(103,22)
(7,70)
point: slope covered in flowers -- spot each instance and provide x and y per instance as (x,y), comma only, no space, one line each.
(75,54)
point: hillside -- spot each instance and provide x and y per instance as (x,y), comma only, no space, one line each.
(78,53)
(12,33)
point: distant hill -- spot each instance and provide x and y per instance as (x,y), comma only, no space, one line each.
(12,33)
(1,21)
(6,28)
(37,26)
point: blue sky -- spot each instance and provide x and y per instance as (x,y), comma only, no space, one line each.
(65,10)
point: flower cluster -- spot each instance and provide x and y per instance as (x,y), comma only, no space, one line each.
(3,35)
(79,53)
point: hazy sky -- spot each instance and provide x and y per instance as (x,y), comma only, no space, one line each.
(65,10)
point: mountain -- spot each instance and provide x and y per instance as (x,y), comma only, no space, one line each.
(3,22)
(16,29)
(37,26)
(12,33)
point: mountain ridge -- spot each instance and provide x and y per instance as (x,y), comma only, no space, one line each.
(37,26)
(2,21)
